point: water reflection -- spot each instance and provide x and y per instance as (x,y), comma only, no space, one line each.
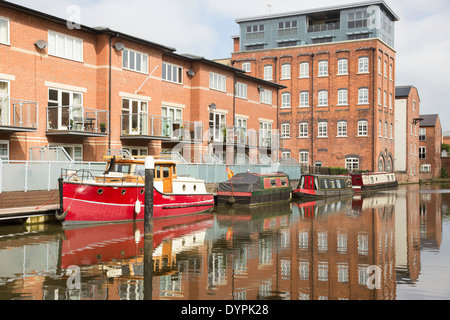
(298,251)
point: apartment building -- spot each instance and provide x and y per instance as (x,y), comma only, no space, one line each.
(430,144)
(338,66)
(407,122)
(93,89)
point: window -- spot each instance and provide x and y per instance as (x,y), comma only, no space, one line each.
(358,19)
(390,100)
(172,73)
(414,105)
(135,117)
(137,151)
(304,70)
(286,130)
(241,90)
(425,168)
(4,31)
(422,134)
(385,99)
(385,68)
(255,32)
(342,128)
(4,103)
(352,164)
(390,72)
(285,155)
(342,97)
(391,132)
(323,68)
(303,130)
(323,129)
(247,66)
(385,130)
(323,98)
(216,122)
(4,150)
(268,73)
(217,82)
(342,66)
(287,28)
(265,133)
(286,100)
(65,46)
(422,152)
(75,151)
(59,114)
(379,96)
(379,66)
(363,128)
(135,61)
(265,96)
(304,99)
(304,158)
(285,71)
(363,65)
(379,129)
(363,96)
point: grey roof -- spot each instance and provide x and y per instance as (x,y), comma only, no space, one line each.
(405,91)
(429,120)
(323,9)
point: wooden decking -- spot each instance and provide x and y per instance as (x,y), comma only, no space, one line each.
(15,205)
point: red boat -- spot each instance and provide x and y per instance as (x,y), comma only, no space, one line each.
(118,194)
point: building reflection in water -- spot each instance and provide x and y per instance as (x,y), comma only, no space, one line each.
(299,251)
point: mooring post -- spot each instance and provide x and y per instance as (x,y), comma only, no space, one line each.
(148,208)
(148,228)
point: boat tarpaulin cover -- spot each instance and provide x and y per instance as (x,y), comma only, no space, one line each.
(242,182)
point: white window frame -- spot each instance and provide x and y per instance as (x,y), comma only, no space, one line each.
(144,61)
(265,96)
(343,66)
(323,68)
(303,158)
(54,49)
(304,70)
(303,130)
(241,90)
(363,128)
(70,145)
(5,116)
(304,99)
(342,97)
(285,71)
(140,151)
(217,82)
(425,168)
(352,164)
(247,66)
(76,108)
(285,130)
(363,96)
(323,98)
(5,157)
(342,129)
(6,41)
(422,152)
(172,73)
(268,72)
(363,65)
(286,100)
(322,128)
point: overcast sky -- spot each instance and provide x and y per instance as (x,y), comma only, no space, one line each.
(205,27)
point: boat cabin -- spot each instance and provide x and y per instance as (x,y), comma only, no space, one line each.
(317,182)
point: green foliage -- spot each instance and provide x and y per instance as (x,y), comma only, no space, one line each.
(446,147)
(443,174)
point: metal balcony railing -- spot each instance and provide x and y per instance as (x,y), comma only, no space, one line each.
(76,119)
(324,27)
(18,113)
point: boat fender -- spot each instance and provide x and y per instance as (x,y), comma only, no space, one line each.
(137,207)
(61,216)
(231,200)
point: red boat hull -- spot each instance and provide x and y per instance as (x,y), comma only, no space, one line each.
(85,203)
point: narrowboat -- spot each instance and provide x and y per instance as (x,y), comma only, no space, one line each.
(363,182)
(118,194)
(313,186)
(254,189)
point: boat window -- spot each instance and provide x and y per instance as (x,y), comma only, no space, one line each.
(284,181)
(338,184)
(140,169)
(158,172)
(323,183)
(332,186)
(124,168)
(273,183)
(166,172)
(371,179)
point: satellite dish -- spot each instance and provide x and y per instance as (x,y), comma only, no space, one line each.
(190,73)
(119,46)
(41,44)
(213,106)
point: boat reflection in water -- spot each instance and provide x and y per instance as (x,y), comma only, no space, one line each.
(315,250)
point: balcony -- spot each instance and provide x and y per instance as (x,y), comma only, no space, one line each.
(324,27)
(18,115)
(189,131)
(246,137)
(76,121)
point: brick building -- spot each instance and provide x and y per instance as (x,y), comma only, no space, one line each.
(430,144)
(92,89)
(338,66)
(407,119)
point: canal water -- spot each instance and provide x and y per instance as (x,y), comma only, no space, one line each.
(391,245)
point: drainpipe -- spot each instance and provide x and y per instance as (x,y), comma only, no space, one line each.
(109,93)
(373,107)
